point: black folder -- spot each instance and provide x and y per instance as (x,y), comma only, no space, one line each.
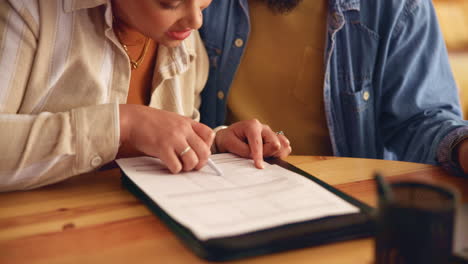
(276,239)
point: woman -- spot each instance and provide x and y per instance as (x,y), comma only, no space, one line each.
(82,82)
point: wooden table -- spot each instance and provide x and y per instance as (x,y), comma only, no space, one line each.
(91,218)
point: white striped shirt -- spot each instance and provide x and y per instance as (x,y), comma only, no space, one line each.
(62,75)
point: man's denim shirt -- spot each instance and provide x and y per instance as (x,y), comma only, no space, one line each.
(388,89)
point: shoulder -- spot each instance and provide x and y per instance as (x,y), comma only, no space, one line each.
(395,15)
(393,7)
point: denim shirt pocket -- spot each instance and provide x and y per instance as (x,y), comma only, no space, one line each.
(356,55)
(360,98)
(359,116)
(352,71)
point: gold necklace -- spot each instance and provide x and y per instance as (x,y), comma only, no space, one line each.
(140,59)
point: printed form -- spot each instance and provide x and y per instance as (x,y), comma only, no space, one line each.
(243,200)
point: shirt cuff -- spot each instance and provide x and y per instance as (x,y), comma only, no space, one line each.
(214,148)
(445,152)
(97,136)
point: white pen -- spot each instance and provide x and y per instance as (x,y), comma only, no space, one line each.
(214,167)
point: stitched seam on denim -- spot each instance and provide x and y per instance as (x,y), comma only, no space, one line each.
(366,29)
(408,10)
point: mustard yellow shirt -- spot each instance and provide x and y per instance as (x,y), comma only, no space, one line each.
(280,78)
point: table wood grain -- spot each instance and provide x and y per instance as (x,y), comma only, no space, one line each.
(91,218)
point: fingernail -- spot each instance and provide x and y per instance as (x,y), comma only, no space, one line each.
(260,164)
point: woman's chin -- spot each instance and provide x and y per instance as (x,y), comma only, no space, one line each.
(171,43)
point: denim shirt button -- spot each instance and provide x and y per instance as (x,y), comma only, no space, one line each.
(366,95)
(239,42)
(220,95)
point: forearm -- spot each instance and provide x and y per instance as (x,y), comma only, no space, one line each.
(419,109)
(47,148)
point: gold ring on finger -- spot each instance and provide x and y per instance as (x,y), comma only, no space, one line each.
(187,149)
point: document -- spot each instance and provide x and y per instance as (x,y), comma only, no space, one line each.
(243,200)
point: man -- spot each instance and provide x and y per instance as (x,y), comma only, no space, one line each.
(371,78)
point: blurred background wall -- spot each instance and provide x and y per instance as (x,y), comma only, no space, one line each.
(453,19)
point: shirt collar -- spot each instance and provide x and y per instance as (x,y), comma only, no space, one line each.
(174,61)
(344,5)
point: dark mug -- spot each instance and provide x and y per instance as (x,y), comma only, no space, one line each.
(416,225)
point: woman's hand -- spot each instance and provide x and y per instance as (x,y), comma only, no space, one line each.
(165,135)
(254,140)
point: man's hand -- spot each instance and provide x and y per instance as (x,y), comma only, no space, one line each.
(166,135)
(254,140)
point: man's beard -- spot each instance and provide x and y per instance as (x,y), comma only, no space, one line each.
(282,6)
